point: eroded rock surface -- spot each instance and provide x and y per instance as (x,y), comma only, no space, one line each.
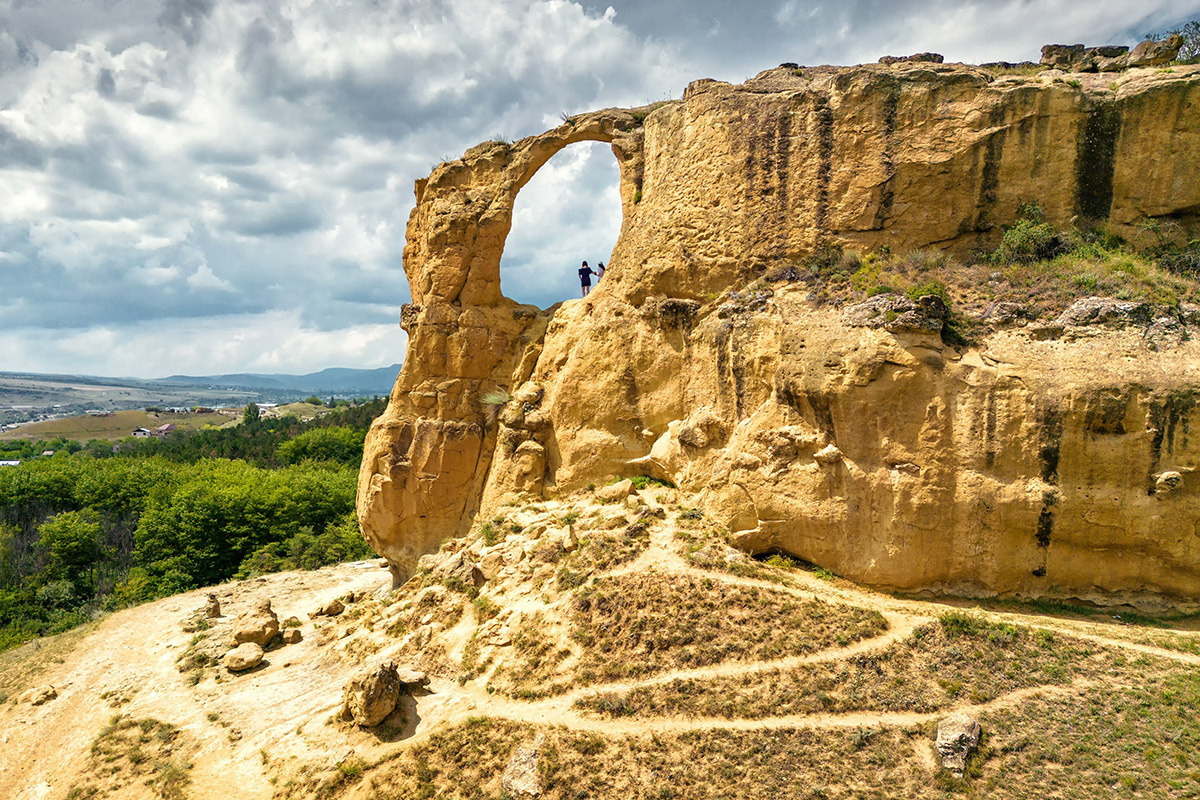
(1025,466)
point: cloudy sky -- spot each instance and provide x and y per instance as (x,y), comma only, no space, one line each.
(204,186)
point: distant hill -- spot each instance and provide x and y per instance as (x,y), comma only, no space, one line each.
(337,380)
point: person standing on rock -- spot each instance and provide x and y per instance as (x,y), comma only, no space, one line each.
(599,271)
(585,278)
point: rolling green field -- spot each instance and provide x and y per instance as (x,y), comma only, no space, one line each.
(113,426)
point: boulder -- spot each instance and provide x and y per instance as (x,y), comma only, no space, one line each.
(569,541)
(464,569)
(919,58)
(1105,311)
(247,655)
(1061,56)
(894,312)
(617,491)
(491,564)
(957,736)
(521,779)
(258,626)
(38,695)
(291,636)
(330,609)
(372,694)
(612,517)
(1151,53)
(1004,312)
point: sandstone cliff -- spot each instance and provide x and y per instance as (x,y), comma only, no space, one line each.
(1055,462)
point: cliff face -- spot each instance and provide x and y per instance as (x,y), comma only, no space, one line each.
(1055,464)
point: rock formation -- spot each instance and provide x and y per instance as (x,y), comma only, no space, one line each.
(258,626)
(854,439)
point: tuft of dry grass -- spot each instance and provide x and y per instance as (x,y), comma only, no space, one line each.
(533,667)
(600,551)
(129,751)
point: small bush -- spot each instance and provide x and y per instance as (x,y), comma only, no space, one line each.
(1030,239)
(490,535)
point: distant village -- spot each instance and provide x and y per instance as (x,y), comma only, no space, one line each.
(160,432)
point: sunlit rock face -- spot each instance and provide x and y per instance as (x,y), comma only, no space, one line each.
(1049,466)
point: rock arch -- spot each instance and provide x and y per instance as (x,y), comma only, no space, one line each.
(427,458)
(464,209)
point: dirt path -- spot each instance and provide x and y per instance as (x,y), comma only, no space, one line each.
(554,713)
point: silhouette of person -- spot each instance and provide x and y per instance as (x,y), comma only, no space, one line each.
(585,278)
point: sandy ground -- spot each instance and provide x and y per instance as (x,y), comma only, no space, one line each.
(133,653)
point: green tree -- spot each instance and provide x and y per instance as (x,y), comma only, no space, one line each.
(1190,32)
(342,445)
(251,414)
(71,543)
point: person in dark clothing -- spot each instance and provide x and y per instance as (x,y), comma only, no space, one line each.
(585,278)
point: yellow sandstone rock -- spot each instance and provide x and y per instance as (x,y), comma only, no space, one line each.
(1055,463)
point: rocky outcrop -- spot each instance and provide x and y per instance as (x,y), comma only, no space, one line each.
(957,737)
(1111,58)
(855,439)
(258,626)
(521,778)
(38,695)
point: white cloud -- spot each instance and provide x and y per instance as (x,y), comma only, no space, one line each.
(272,342)
(178,171)
(205,278)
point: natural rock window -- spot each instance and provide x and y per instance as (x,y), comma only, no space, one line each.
(570,211)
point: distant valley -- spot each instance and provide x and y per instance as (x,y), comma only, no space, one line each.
(26,397)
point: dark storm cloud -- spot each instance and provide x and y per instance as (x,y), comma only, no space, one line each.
(18,151)
(283,218)
(194,185)
(186,17)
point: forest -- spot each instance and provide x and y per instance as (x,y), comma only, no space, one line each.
(95,528)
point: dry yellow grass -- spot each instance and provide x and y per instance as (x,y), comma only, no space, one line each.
(116,425)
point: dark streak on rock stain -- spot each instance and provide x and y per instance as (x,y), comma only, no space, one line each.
(824,117)
(1095,152)
(989,179)
(1045,525)
(990,431)
(1168,413)
(887,193)
(1050,420)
